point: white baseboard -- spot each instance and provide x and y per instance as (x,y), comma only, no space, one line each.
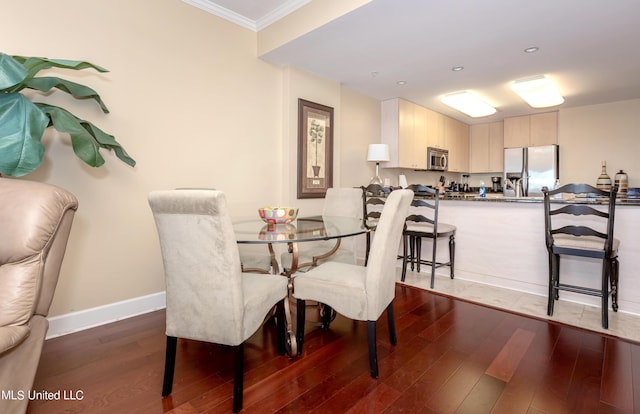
(101,315)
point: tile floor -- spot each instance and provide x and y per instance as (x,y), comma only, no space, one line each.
(622,325)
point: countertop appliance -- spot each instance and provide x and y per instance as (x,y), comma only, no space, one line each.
(531,168)
(437,159)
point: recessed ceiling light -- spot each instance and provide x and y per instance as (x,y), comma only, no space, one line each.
(457,68)
(531,49)
(538,92)
(468,103)
(401,83)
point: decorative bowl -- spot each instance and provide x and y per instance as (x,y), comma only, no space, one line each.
(278,215)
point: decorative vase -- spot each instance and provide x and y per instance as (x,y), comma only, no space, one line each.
(622,181)
(604,181)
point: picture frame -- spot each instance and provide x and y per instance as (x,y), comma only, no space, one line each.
(315,149)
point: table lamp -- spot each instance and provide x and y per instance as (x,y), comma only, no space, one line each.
(377,153)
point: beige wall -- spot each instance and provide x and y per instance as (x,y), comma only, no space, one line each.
(192,103)
(591,134)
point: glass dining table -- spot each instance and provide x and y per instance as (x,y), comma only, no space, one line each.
(301,230)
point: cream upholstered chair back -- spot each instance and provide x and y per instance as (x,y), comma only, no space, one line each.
(343,202)
(202,265)
(338,202)
(381,267)
(35,221)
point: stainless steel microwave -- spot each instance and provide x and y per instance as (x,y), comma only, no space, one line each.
(437,159)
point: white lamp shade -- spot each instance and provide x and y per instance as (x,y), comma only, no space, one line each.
(378,152)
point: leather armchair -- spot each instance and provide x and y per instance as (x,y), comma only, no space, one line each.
(35,221)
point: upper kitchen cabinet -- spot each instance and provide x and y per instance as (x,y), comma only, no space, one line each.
(531,130)
(486,147)
(456,140)
(404,129)
(435,129)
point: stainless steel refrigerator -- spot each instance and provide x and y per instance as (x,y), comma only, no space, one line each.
(536,167)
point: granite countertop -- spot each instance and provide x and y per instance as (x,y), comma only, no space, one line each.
(499,198)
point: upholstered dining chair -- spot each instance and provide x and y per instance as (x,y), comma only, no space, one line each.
(581,230)
(359,292)
(208,297)
(338,202)
(423,222)
(251,260)
(35,221)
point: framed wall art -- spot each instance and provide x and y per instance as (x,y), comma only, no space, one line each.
(315,149)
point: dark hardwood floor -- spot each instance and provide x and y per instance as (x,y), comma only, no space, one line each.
(452,357)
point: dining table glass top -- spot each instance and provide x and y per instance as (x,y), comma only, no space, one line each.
(301,229)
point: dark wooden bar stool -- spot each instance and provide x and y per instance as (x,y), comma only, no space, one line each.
(424,224)
(590,234)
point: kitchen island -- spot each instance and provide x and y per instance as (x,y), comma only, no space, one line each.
(500,241)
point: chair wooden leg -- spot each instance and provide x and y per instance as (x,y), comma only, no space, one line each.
(550,301)
(169,365)
(615,266)
(367,248)
(452,254)
(433,261)
(418,253)
(300,318)
(391,322)
(604,291)
(405,241)
(557,276)
(373,353)
(412,249)
(238,377)
(281,327)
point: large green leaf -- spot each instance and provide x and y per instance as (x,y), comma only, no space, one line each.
(21,127)
(46,83)
(86,138)
(11,72)
(34,65)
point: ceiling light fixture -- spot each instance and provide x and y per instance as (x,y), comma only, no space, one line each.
(457,68)
(468,103)
(538,92)
(401,83)
(531,49)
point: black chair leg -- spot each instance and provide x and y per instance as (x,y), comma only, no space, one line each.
(391,322)
(412,249)
(606,271)
(281,327)
(556,280)
(300,318)
(325,316)
(238,377)
(433,261)
(405,241)
(552,283)
(452,253)
(418,253)
(373,353)
(367,248)
(614,283)
(169,365)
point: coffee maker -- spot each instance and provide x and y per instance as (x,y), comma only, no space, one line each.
(496,184)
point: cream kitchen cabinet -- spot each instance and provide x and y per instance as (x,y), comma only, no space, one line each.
(404,129)
(486,147)
(456,140)
(531,130)
(435,129)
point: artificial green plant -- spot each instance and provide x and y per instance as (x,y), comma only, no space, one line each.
(23,122)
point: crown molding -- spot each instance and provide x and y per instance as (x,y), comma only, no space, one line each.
(254,25)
